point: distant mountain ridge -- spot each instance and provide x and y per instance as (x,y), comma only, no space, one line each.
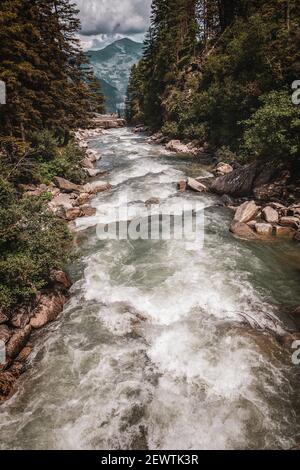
(112,67)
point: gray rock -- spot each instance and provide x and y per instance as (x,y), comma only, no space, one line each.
(18,341)
(246,212)
(196,185)
(87,210)
(223,169)
(238,183)
(48,309)
(5,333)
(177,147)
(264,229)
(87,163)
(270,215)
(243,231)
(66,186)
(293,222)
(284,232)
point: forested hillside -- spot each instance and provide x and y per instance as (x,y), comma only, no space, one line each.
(50,91)
(222,72)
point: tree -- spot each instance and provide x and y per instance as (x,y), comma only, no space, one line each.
(49,83)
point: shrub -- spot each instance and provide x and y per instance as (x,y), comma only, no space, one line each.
(56,160)
(273,131)
(32,243)
(170,129)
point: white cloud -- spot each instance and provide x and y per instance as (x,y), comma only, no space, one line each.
(111,17)
(99,41)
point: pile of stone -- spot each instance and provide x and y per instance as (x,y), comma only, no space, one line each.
(16,327)
(73,201)
(68,200)
(192,148)
(252,221)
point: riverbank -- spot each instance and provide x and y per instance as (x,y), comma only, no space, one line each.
(67,201)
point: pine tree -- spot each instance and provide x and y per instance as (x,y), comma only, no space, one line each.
(49,83)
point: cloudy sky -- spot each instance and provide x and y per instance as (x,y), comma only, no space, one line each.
(104,21)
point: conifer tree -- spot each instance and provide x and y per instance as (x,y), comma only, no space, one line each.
(49,83)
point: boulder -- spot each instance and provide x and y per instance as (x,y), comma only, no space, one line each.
(48,309)
(196,185)
(61,279)
(284,232)
(87,163)
(72,214)
(24,354)
(277,206)
(83,198)
(18,341)
(93,156)
(177,147)
(242,230)
(238,183)
(5,333)
(152,201)
(62,201)
(293,210)
(223,169)
(246,212)
(87,210)
(181,186)
(252,223)
(96,188)
(93,172)
(270,215)
(66,186)
(21,318)
(265,230)
(293,222)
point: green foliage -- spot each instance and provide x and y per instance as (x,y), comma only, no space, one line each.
(49,82)
(208,66)
(64,162)
(170,129)
(32,242)
(273,131)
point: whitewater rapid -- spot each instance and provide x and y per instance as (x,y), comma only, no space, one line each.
(163,345)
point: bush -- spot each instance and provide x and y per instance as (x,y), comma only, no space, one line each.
(66,164)
(170,129)
(273,131)
(56,160)
(32,243)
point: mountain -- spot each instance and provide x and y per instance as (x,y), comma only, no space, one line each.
(112,67)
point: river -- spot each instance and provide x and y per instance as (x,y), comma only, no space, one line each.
(164,344)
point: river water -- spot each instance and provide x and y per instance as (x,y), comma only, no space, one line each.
(164,344)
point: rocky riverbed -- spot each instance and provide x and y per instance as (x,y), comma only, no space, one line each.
(164,343)
(67,201)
